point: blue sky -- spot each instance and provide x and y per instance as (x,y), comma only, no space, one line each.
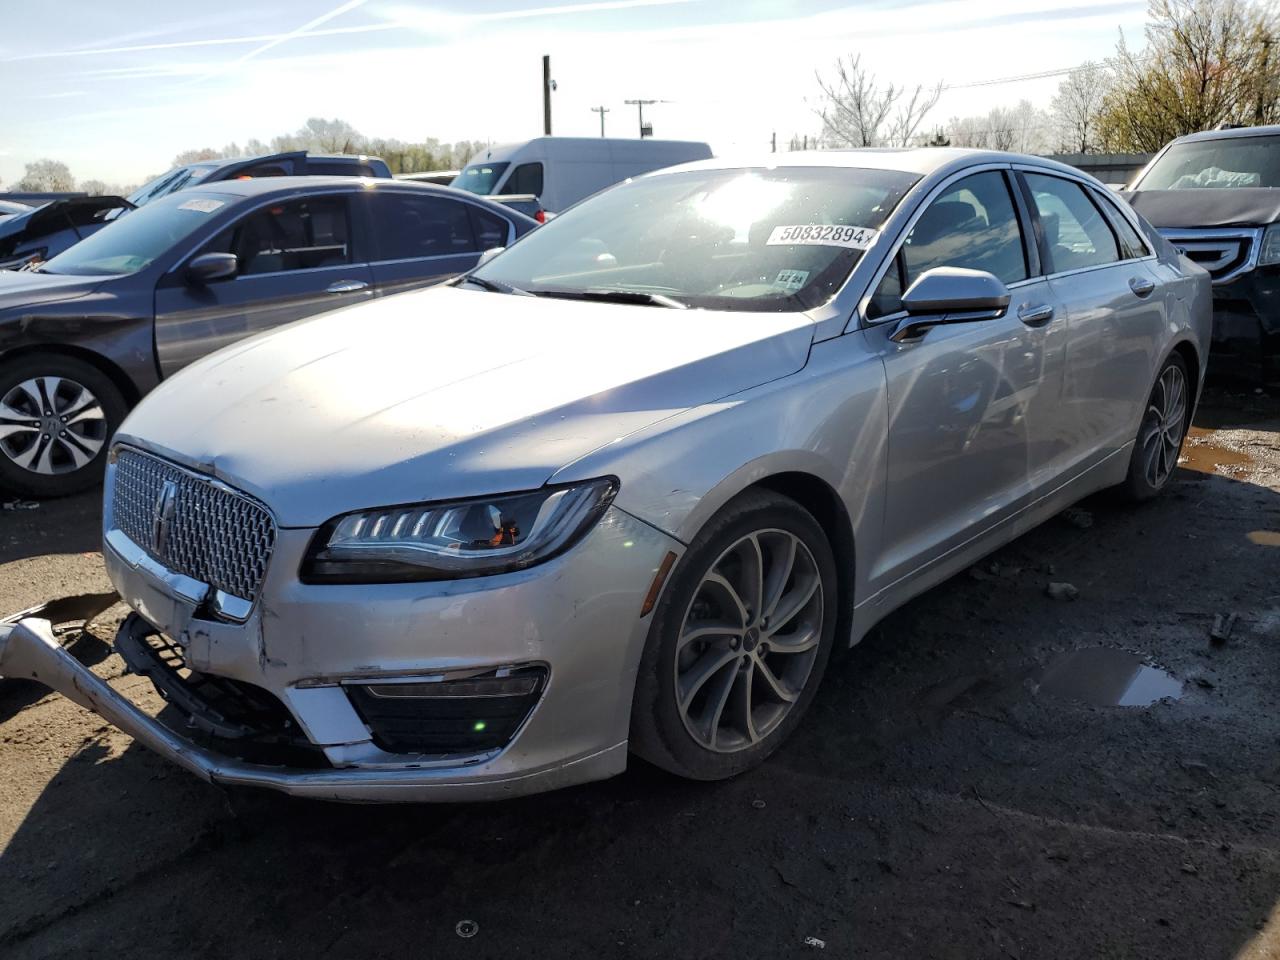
(115,89)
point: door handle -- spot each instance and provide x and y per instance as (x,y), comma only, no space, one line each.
(346,286)
(1142,286)
(1036,316)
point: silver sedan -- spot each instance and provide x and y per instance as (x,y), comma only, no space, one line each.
(623,487)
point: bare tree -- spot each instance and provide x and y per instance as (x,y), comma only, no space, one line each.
(46,176)
(858,111)
(95,188)
(1078,104)
(195,156)
(1020,128)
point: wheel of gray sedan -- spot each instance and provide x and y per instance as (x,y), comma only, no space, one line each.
(57,414)
(1164,425)
(739,640)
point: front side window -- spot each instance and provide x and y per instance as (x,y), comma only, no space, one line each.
(132,242)
(1075,231)
(524,179)
(779,239)
(1132,246)
(421,226)
(480,178)
(1216,164)
(299,234)
(490,229)
(973,225)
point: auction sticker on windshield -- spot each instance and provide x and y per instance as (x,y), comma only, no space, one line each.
(823,235)
(201,205)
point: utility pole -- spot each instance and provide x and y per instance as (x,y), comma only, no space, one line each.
(774,148)
(602,110)
(547,86)
(641,104)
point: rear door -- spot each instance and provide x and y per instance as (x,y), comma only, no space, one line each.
(424,237)
(296,259)
(1113,305)
(975,427)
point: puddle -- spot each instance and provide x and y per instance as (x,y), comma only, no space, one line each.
(1265,538)
(1199,453)
(1107,678)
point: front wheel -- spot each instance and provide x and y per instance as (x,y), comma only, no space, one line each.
(1164,425)
(57,415)
(739,641)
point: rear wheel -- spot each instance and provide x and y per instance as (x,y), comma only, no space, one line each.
(57,415)
(1164,425)
(739,641)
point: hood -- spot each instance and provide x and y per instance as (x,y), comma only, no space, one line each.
(448,393)
(26,288)
(1208,206)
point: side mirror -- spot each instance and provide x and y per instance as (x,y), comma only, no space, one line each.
(489,255)
(946,295)
(211,266)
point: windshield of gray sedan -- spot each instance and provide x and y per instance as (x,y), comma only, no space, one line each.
(132,242)
(1229,162)
(766,239)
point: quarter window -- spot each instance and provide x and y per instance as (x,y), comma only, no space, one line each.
(973,224)
(1075,231)
(295,235)
(410,227)
(526,178)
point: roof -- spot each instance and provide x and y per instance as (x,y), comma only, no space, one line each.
(1231,134)
(923,161)
(265,186)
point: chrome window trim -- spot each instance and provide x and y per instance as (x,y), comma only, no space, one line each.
(859,320)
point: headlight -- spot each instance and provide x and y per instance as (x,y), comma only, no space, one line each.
(1270,246)
(464,538)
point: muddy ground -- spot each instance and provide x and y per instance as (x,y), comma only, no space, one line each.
(937,802)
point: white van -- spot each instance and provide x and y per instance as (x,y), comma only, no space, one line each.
(560,171)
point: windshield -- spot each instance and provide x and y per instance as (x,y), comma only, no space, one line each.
(480,178)
(175,179)
(1229,162)
(745,239)
(131,243)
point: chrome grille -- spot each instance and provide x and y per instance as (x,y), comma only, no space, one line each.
(1224,252)
(216,535)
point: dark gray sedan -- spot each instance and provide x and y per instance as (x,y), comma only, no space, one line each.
(86,335)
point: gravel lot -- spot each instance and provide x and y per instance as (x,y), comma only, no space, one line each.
(938,801)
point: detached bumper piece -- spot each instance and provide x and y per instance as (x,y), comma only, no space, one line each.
(465,715)
(29,650)
(250,722)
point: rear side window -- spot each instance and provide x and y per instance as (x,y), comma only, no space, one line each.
(262,170)
(338,168)
(973,225)
(490,229)
(1075,231)
(526,178)
(1132,246)
(296,235)
(409,227)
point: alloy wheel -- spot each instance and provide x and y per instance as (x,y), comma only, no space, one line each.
(749,640)
(51,425)
(1163,424)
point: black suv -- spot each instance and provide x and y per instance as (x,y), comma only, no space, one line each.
(293,164)
(1216,195)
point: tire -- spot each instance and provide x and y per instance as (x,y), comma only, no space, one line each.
(689,742)
(57,417)
(1164,426)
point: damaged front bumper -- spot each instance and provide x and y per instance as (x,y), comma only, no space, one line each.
(1246,315)
(29,650)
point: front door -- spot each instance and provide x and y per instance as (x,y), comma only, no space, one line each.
(973,418)
(296,259)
